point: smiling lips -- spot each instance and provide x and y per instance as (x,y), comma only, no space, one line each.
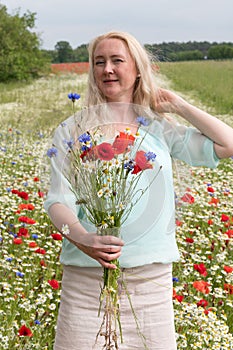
(110,81)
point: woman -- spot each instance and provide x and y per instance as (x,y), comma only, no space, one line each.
(121,73)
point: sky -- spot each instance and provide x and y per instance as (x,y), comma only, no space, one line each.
(150,21)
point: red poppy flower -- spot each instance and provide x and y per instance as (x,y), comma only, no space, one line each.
(40,194)
(32,244)
(202,303)
(23,195)
(14,191)
(17,240)
(214,201)
(22,206)
(188,198)
(206,311)
(189,240)
(54,284)
(210,189)
(179,223)
(122,142)
(26,220)
(210,222)
(25,331)
(225,218)
(36,179)
(228,269)
(201,269)
(105,151)
(202,286)
(57,236)
(141,162)
(42,263)
(89,154)
(177,297)
(26,206)
(23,232)
(136,169)
(228,288)
(40,251)
(229,233)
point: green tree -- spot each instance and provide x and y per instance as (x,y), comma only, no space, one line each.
(220,52)
(20,54)
(81,53)
(186,56)
(64,52)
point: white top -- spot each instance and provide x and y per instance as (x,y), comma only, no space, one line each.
(149,231)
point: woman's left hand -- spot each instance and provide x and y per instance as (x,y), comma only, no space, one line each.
(167,101)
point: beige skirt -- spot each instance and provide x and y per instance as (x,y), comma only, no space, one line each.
(150,289)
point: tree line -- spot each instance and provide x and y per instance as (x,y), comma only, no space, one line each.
(22,58)
(165,52)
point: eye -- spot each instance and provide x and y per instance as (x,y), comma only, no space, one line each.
(99,63)
(118,60)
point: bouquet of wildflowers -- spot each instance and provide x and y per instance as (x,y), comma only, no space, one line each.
(104,176)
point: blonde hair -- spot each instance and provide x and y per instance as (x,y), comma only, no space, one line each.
(145,88)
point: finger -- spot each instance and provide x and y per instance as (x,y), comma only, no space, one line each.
(107,264)
(112,240)
(111,249)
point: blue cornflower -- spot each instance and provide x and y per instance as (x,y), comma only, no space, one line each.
(9,259)
(84,138)
(37,322)
(150,156)
(175,279)
(73,96)
(52,152)
(142,121)
(129,165)
(20,274)
(69,143)
(34,235)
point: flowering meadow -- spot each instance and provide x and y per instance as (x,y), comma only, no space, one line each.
(76,67)
(30,271)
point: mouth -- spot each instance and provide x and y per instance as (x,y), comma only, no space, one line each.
(108,81)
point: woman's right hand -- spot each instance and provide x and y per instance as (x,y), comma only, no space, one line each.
(104,249)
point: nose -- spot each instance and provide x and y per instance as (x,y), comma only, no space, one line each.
(108,68)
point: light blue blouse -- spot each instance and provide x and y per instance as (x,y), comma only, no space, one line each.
(149,231)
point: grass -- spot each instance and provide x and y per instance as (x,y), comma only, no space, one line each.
(207,81)
(29,259)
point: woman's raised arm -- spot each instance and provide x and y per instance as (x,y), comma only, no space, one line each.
(219,132)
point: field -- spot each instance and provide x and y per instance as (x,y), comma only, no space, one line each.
(30,246)
(208,81)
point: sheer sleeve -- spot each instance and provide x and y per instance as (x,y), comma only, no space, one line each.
(189,145)
(60,189)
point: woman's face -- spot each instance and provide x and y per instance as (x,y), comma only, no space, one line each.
(114,70)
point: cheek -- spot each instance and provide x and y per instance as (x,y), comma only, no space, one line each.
(97,77)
